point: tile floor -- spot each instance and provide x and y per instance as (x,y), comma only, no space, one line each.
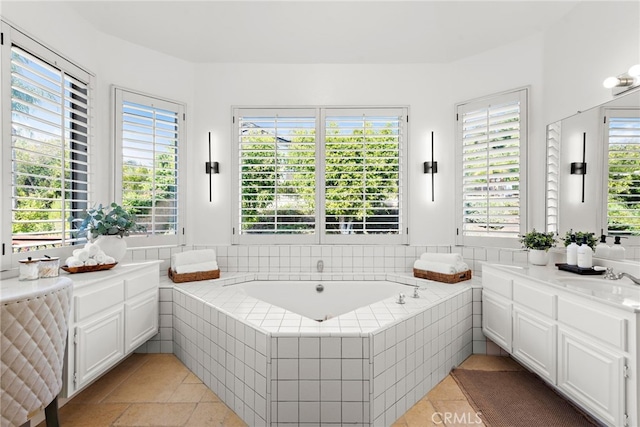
(158,390)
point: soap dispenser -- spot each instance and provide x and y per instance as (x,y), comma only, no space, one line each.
(602,249)
(572,251)
(585,254)
(617,251)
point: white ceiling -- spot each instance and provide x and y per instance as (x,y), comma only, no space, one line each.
(265,31)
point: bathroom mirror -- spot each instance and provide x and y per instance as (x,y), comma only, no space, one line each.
(577,200)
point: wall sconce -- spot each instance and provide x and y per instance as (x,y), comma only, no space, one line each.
(623,82)
(580,168)
(211,168)
(432,168)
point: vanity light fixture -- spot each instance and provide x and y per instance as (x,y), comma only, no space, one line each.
(580,168)
(623,82)
(211,168)
(432,168)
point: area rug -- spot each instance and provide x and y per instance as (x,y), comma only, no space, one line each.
(517,398)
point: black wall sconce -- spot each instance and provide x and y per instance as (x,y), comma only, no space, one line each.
(432,168)
(211,168)
(580,168)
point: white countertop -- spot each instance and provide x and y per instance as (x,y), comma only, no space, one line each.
(550,275)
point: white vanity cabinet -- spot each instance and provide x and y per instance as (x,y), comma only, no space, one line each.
(586,348)
(112,314)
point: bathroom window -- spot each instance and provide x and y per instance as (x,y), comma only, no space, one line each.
(48,157)
(622,137)
(320,175)
(149,134)
(491,149)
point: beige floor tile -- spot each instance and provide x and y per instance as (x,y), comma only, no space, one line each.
(208,414)
(422,414)
(400,422)
(457,413)
(192,379)
(482,362)
(81,415)
(447,389)
(97,391)
(188,393)
(156,414)
(233,420)
(209,396)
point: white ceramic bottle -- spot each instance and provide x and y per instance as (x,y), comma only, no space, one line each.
(602,249)
(572,251)
(617,251)
(585,255)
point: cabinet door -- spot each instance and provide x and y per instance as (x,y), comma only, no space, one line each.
(99,345)
(496,319)
(593,376)
(535,343)
(141,319)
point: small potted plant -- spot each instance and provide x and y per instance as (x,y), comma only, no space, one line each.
(108,227)
(538,245)
(580,235)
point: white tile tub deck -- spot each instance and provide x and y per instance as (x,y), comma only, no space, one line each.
(363,368)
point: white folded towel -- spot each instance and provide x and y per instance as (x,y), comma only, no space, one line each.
(73,262)
(443,258)
(440,267)
(100,257)
(81,254)
(92,249)
(109,260)
(192,257)
(90,262)
(193,268)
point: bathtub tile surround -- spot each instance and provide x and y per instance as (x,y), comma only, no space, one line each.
(366,367)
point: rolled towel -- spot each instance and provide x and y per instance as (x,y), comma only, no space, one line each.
(92,249)
(73,262)
(440,267)
(81,254)
(192,257)
(90,262)
(100,257)
(193,268)
(461,266)
(443,258)
(109,260)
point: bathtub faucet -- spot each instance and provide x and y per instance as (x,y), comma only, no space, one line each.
(320,266)
(415,292)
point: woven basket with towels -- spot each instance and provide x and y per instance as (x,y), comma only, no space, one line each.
(191,266)
(446,268)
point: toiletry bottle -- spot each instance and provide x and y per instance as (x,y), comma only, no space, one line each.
(585,254)
(617,251)
(602,249)
(572,251)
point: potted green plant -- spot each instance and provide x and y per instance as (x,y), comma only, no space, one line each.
(580,235)
(107,227)
(538,244)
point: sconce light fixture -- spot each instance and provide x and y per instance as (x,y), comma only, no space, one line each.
(211,168)
(623,82)
(580,168)
(432,168)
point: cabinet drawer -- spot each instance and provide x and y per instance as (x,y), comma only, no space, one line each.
(142,282)
(531,296)
(89,304)
(602,325)
(497,283)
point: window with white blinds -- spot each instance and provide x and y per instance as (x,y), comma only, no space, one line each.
(492,137)
(49,151)
(623,178)
(554,131)
(362,172)
(149,135)
(321,174)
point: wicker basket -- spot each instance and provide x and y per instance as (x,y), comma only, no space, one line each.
(440,277)
(193,277)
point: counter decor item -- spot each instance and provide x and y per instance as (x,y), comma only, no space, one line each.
(88,268)
(591,238)
(48,267)
(538,244)
(191,266)
(445,268)
(108,228)
(28,269)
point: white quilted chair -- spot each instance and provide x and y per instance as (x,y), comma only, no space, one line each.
(34,334)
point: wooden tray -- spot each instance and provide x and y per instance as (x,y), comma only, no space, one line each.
(440,277)
(579,270)
(193,277)
(88,268)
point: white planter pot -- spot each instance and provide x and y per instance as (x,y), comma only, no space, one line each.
(114,246)
(538,257)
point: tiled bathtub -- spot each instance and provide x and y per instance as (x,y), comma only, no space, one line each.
(364,367)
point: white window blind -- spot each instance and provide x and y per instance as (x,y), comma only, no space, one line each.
(362,172)
(150,132)
(491,136)
(623,194)
(277,172)
(49,144)
(554,131)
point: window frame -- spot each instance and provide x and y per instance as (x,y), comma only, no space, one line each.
(521,94)
(319,236)
(118,96)
(15,37)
